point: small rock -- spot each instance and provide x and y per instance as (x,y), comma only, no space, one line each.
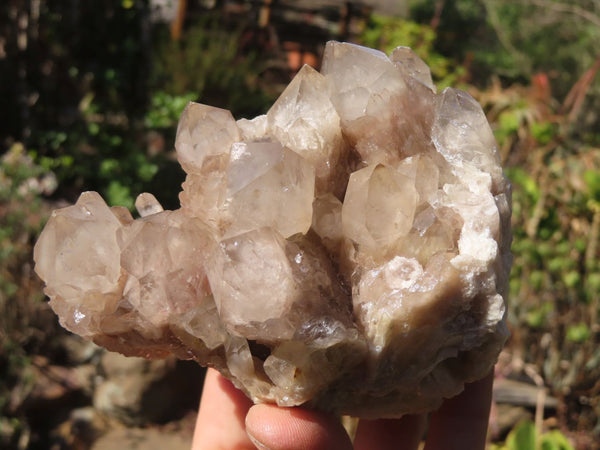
(81,429)
(505,417)
(115,364)
(137,391)
(79,351)
(138,438)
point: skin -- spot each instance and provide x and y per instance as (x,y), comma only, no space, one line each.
(228,420)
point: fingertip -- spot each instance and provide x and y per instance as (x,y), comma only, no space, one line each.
(387,434)
(223,407)
(462,421)
(278,428)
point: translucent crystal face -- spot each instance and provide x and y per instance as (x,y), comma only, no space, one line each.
(304,120)
(267,186)
(348,250)
(379,207)
(203,133)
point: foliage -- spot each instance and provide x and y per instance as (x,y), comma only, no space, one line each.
(530,31)
(525,437)
(207,63)
(88,94)
(554,299)
(22,183)
(165,109)
(515,39)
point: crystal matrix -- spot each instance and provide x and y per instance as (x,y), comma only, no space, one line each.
(348,251)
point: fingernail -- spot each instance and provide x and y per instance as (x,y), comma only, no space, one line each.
(256,442)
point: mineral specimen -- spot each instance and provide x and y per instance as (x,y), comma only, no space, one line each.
(347,251)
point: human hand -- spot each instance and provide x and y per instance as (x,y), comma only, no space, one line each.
(228,420)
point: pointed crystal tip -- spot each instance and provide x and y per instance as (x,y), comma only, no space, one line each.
(348,251)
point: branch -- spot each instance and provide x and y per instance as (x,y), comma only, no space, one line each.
(503,37)
(567,8)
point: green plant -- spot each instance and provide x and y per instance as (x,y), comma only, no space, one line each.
(578,333)
(208,65)
(165,109)
(22,185)
(525,437)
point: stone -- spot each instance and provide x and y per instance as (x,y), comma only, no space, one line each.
(136,391)
(142,439)
(347,251)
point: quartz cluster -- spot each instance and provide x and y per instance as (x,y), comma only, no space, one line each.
(347,251)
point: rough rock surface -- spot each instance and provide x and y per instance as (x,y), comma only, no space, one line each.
(349,250)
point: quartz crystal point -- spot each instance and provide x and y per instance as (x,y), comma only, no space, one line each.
(347,251)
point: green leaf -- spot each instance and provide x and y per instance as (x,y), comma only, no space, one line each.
(557,264)
(536,318)
(146,171)
(593,282)
(555,440)
(108,167)
(571,279)
(508,122)
(536,279)
(528,184)
(592,180)
(93,128)
(117,194)
(166,109)
(578,333)
(522,437)
(543,132)
(545,249)
(580,245)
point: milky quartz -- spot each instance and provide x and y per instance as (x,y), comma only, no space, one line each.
(347,251)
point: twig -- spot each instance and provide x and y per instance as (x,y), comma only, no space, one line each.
(576,95)
(539,208)
(177,23)
(531,371)
(264,14)
(568,8)
(590,255)
(503,38)
(437,15)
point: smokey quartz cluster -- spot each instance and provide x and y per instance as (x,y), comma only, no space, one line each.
(348,251)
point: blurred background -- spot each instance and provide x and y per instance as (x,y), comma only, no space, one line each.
(90,95)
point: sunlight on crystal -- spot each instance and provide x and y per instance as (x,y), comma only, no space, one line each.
(348,251)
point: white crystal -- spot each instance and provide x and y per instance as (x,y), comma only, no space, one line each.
(304,120)
(267,186)
(347,251)
(379,207)
(83,283)
(244,297)
(406,60)
(204,132)
(146,205)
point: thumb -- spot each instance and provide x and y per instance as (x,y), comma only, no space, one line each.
(276,428)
